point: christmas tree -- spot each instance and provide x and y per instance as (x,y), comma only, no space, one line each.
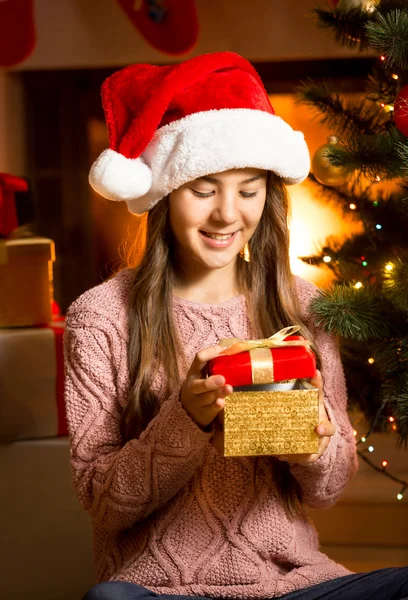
(364,168)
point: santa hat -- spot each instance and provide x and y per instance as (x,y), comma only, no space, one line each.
(170,125)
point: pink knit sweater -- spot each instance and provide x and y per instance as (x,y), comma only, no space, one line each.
(169,512)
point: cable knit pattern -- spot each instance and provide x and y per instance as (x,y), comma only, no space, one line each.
(169,512)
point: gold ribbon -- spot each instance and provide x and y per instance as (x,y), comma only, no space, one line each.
(259,350)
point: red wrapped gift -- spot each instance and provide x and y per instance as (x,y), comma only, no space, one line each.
(281,357)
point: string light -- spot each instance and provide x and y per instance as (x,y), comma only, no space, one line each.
(353,206)
(358,285)
(384,463)
(389,266)
(354,432)
(391,419)
(394,427)
(327,259)
(377,178)
(375,203)
(382,105)
(370,448)
(401,494)
(378,226)
(371,361)
(395,76)
(364,263)
(363,439)
(382,57)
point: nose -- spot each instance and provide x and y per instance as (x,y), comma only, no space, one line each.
(226,208)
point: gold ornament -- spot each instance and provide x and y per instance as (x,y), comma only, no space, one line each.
(245,254)
(368,5)
(323,170)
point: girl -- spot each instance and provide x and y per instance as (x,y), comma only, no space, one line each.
(198,148)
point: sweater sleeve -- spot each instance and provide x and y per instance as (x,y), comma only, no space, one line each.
(323,481)
(120,483)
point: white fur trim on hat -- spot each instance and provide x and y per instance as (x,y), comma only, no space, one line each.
(116,177)
(218,140)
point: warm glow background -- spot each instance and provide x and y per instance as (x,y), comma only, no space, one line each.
(312,219)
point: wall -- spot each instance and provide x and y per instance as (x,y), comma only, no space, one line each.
(12,124)
(74,33)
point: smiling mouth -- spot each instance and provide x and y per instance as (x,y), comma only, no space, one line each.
(218,236)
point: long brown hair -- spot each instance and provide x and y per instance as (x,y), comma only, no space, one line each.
(272,304)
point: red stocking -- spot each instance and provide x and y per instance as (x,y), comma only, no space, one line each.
(168,25)
(17,34)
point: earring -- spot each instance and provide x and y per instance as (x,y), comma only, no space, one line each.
(245,254)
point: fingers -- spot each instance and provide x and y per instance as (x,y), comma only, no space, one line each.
(201,359)
(325,429)
(317,381)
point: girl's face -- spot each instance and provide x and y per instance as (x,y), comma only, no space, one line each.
(228,205)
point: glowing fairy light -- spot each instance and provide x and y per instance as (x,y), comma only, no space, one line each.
(358,285)
(353,206)
(389,266)
(371,361)
(327,259)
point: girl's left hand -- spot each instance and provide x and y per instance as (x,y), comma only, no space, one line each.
(325,430)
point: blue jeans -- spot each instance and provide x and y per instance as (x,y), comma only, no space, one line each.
(383,584)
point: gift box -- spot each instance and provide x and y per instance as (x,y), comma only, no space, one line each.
(26,267)
(266,414)
(32,382)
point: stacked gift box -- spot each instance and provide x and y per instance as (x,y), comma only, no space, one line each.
(31,358)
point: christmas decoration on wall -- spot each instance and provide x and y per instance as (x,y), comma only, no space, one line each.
(17,31)
(367,305)
(170,26)
(401,111)
(324,171)
(9,186)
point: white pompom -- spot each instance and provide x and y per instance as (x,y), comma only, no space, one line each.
(116,177)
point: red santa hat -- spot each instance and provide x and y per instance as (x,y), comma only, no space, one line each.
(170,125)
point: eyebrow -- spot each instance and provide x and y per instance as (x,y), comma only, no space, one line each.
(215,180)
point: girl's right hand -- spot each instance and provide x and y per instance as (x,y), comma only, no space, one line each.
(202,398)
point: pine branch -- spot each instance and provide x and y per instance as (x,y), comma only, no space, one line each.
(382,88)
(388,33)
(352,313)
(341,116)
(402,150)
(371,155)
(347,25)
(395,285)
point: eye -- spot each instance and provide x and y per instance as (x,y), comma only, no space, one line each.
(202,194)
(248,194)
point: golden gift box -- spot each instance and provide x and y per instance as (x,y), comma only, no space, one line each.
(26,281)
(263,420)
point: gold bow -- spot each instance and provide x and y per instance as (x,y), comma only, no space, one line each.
(278,340)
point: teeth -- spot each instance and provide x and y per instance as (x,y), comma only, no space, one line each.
(218,237)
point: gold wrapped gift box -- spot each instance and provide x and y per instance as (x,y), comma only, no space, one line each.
(266,420)
(26,290)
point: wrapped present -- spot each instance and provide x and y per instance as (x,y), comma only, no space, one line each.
(260,416)
(26,267)
(32,382)
(281,357)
